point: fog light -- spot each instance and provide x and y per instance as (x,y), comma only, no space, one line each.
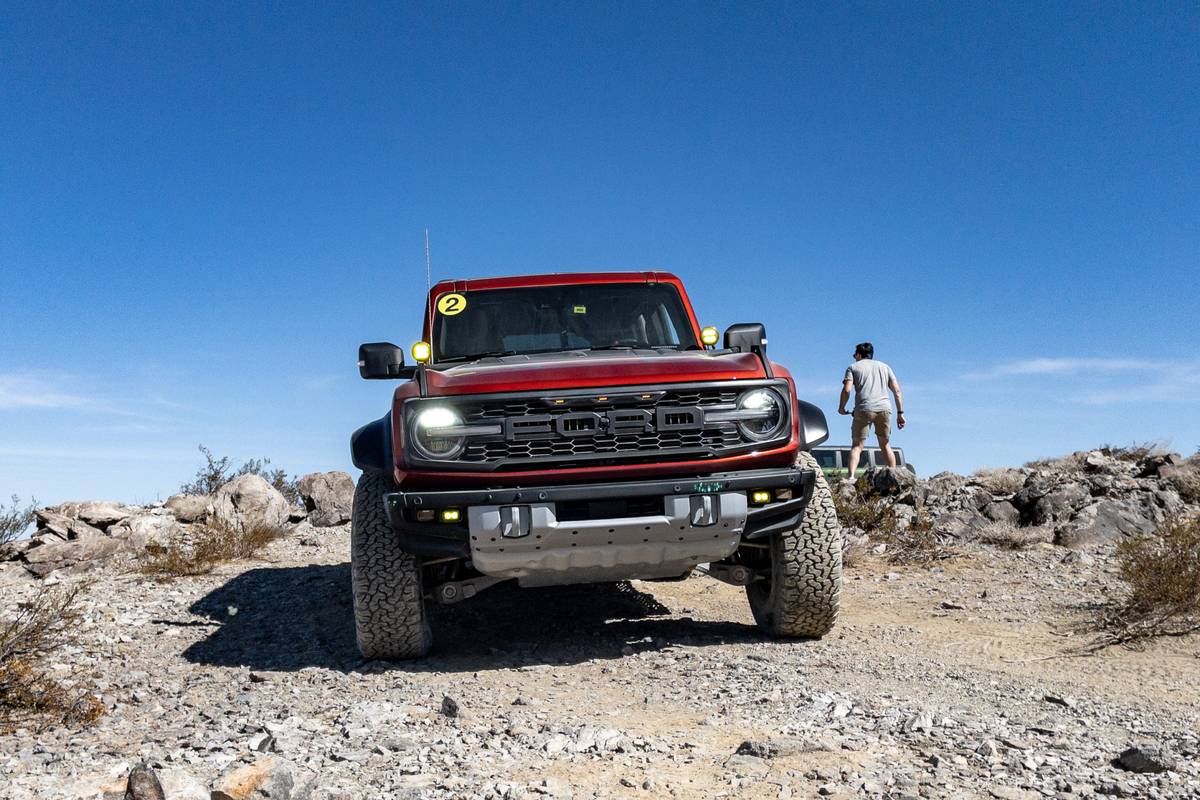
(451,515)
(783,494)
(425,515)
(709,336)
(760,497)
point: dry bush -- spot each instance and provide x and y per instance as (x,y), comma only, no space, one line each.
(15,519)
(855,552)
(217,472)
(915,543)
(1069,463)
(28,643)
(207,546)
(1008,536)
(1162,573)
(1187,482)
(1134,452)
(1004,480)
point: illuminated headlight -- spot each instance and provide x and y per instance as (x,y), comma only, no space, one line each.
(763,414)
(436,433)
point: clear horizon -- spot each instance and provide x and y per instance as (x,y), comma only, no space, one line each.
(206,209)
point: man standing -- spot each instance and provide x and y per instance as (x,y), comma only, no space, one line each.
(871,379)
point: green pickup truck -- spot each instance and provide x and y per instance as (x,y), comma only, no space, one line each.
(835,460)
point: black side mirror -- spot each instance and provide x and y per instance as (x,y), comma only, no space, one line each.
(382,361)
(749,337)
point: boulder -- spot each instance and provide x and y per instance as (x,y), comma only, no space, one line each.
(77,554)
(249,500)
(975,497)
(328,497)
(889,481)
(137,531)
(63,526)
(98,513)
(143,784)
(1150,465)
(1105,521)
(1002,511)
(189,507)
(268,778)
(1060,504)
(1147,758)
(962,525)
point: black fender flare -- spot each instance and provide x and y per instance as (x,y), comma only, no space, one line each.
(371,446)
(814,429)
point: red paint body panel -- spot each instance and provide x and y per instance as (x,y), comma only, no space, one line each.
(517,374)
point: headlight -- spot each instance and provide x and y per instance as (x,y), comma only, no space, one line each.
(434,435)
(762,414)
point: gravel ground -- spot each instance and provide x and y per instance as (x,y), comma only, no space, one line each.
(956,681)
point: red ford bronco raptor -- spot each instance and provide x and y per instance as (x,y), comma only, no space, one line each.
(579,428)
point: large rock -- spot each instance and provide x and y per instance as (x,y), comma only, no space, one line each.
(328,497)
(189,507)
(961,525)
(63,526)
(249,500)
(889,481)
(1105,521)
(268,778)
(1002,511)
(138,531)
(98,513)
(1060,504)
(78,554)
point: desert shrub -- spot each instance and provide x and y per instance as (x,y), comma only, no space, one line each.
(28,643)
(1008,536)
(1068,463)
(208,545)
(914,543)
(1134,452)
(217,472)
(1162,573)
(15,518)
(1187,483)
(1000,481)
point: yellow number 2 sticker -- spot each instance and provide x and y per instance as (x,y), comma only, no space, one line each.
(451,304)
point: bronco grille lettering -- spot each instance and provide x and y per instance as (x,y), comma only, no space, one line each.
(615,422)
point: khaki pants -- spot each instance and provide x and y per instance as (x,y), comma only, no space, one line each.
(862,421)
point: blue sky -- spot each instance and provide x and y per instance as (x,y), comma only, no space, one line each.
(204,208)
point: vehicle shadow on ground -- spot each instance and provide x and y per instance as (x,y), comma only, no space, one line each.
(289,618)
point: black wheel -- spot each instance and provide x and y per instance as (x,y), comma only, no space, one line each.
(389,604)
(799,595)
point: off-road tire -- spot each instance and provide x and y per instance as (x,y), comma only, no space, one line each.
(799,596)
(389,605)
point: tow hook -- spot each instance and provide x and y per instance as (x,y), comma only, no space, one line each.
(733,574)
(457,591)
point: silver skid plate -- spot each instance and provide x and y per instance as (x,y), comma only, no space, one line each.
(537,549)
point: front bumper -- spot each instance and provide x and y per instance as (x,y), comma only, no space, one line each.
(517,533)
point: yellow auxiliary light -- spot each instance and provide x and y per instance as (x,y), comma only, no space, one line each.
(760,497)
(451,515)
(709,335)
(420,352)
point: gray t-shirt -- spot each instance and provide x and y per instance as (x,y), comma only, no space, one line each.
(871,379)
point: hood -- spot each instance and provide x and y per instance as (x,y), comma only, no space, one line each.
(582,369)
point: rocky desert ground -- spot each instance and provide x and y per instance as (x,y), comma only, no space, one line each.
(962,677)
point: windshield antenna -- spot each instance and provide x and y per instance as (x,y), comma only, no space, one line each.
(428,274)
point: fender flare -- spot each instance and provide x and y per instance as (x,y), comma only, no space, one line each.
(371,446)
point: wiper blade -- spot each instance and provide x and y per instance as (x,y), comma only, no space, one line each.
(635,346)
(478,356)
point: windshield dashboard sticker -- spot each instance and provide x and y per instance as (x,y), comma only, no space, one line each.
(451,304)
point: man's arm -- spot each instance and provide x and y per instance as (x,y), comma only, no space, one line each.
(846,384)
(894,385)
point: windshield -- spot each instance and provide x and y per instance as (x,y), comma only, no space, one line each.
(539,319)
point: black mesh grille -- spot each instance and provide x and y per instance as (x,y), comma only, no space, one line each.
(536,449)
